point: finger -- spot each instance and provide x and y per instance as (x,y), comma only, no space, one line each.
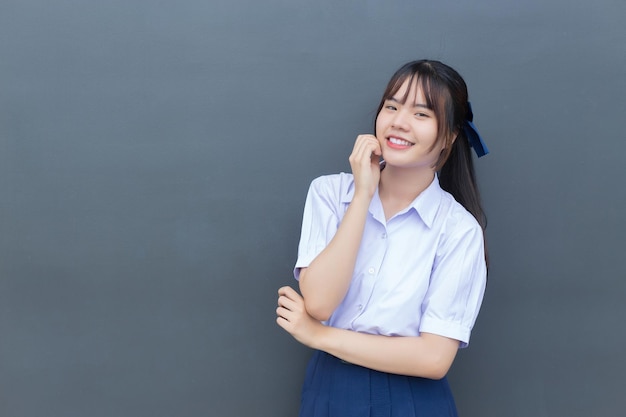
(282,323)
(290,293)
(288,303)
(369,145)
(365,144)
(376,154)
(284,313)
(377,149)
(364,150)
(285,324)
(285,290)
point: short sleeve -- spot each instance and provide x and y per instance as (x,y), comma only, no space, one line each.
(457,285)
(322,214)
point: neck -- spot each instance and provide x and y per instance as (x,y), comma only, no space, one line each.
(399,187)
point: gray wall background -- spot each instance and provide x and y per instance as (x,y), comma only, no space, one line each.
(154,160)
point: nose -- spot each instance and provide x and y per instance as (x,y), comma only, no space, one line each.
(400,120)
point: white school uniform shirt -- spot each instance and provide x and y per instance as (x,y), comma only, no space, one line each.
(423,270)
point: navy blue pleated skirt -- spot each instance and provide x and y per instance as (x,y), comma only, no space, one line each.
(333,388)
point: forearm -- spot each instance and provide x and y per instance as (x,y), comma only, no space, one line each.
(326,280)
(427,356)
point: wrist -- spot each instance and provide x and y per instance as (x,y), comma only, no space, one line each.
(363,197)
(320,337)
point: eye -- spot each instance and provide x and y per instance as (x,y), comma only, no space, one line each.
(391,107)
(419,114)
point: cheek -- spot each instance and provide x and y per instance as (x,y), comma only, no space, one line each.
(380,126)
(433,132)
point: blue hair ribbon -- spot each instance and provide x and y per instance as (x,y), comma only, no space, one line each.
(474,138)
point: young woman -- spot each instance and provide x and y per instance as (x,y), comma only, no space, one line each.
(392,262)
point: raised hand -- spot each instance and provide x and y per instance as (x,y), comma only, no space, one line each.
(364,161)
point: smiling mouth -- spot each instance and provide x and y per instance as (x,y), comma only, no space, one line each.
(399,142)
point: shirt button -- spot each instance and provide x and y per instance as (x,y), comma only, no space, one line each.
(383,236)
(371,270)
(360,307)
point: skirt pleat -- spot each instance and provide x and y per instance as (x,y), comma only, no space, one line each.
(334,388)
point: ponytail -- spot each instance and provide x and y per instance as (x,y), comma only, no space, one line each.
(457,177)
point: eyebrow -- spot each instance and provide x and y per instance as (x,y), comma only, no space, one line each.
(395,100)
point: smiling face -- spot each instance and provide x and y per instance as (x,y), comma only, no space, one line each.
(407,129)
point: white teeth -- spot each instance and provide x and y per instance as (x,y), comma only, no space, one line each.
(401,142)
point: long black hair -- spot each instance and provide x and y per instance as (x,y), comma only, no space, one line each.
(446,93)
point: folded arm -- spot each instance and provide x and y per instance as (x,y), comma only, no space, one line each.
(427,355)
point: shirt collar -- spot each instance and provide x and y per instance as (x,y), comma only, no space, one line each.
(425,205)
(347,194)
